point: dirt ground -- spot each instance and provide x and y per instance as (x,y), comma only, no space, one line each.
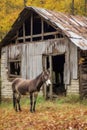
(48,116)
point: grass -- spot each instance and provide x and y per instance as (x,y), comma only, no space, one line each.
(71,99)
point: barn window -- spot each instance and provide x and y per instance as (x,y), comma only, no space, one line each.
(48,28)
(20,34)
(36,25)
(27,27)
(35,28)
(14,68)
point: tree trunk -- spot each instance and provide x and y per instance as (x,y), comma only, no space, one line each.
(72,7)
(85,6)
(25,1)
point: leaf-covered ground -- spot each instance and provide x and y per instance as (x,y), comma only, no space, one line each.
(49,115)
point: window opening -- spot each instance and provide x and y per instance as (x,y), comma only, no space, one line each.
(14,68)
(20,34)
(59,35)
(36,38)
(27,40)
(27,27)
(20,40)
(48,28)
(36,25)
(49,37)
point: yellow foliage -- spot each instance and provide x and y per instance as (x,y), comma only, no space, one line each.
(9,9)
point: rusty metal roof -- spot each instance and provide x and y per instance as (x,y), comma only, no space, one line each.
(74,27)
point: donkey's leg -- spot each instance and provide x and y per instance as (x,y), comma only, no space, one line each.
(34,100)
(15,101)
(16,105)
(18,101)
(31,102)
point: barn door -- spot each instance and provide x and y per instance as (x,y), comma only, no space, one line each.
(83,73)
(47,64)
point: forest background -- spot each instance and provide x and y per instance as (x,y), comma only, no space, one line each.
(9,9)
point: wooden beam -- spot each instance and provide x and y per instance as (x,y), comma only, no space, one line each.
(45,87)
(13,60)
(13,75)
(51,89)
(39,35)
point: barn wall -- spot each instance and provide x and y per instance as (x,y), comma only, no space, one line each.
(73,61)
(31,61)
(6,90)
(73,87)
(32,55)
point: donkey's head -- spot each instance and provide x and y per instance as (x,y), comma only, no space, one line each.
(46,77)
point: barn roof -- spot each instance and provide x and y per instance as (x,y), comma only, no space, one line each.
(74,27)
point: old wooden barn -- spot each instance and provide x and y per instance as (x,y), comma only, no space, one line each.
(41,39)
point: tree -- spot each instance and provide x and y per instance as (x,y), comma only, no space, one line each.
(85,7)
(72,7)
(25,1)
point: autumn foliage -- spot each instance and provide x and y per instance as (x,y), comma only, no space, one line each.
(9,10)
(49,115)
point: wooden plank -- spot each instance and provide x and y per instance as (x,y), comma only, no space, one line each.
(51,89)
(39,64)
(38,35)
(23,62)
(28,62)
(67,67)
(73,61)
(15,76)
(44,67)
(6,62)
(14,51)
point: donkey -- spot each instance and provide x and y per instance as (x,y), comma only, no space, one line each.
(22,86)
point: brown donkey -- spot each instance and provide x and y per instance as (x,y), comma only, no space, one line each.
(23,86)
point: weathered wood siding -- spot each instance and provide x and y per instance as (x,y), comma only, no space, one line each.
(14,51)
(31,60)
(73,87)
(73,61)
(32,56)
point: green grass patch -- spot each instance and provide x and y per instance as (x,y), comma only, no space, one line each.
(25,101)
(7,103)
(68,99)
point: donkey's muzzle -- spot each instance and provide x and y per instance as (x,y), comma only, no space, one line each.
(48,82)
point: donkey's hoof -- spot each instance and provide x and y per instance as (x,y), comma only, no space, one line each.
(31,111)
(16,110)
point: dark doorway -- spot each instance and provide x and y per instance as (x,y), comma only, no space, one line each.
(55,63)
(58,74)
